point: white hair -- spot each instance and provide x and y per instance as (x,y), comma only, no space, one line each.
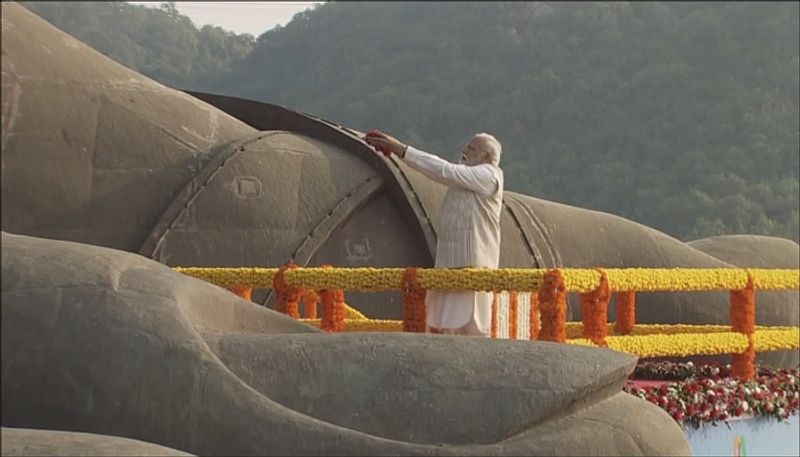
(492,146)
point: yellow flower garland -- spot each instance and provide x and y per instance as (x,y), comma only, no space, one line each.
(575,329)
(381,279)
(684,345)
(362,325)
(685,279)
(233,277)
(777,339)
(645,340)
(521,279)
(651,340)
(354,314)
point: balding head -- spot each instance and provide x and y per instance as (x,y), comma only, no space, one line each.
(482,148)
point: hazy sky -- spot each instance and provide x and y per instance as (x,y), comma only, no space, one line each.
(240,17)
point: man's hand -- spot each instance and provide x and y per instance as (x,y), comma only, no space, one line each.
(384,143)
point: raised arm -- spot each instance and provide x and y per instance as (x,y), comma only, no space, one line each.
(483,178)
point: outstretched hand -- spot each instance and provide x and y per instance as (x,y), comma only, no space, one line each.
(384,143)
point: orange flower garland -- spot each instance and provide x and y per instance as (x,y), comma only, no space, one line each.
(553,307)
(743,365)
(414,312)
(743,320)
(243,292)
(288,297)
(626,312)
(594,305)
(310,300)
(332,308)
(513,311)
(534,316)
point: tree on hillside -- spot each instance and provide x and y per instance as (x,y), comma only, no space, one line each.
(683,116)
(160,43)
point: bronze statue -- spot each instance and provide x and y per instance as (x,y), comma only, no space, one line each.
(99,341)
(96,153)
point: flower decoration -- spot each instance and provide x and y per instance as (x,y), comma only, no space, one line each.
(594,305)
(520,279)
(553,307)
(414,311)
(709,393)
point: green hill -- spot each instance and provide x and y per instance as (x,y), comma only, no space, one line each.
(159,43)
(682,116)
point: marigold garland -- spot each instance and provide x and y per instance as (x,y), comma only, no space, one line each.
(575,329)
(243,292)
(534,318)
(310,301)
(626,312)
(674,345)
(686,279)
(259,278)
(743,308)
(594,306)
(670,341)
(690,344)
(774,278)
(332,308)
(513,313)
(744,362)
(380,279)
(553,307)
(360,325)
(488,279)
(743,320)
(414,312)
(776,339)
(288,296)
(352,313)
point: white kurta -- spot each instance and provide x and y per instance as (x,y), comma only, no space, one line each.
(468,234)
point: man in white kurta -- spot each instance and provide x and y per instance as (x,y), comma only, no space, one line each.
(469,226)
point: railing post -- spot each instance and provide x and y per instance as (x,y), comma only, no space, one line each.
(414,312)
(287,295)
(533,318)
(310,300)
(332,308)
(626,312)
(743,320)
(513,313)
(553,306)
(594,305)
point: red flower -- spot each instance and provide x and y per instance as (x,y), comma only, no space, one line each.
(700,399)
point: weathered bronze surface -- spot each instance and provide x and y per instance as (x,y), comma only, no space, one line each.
(96,153)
